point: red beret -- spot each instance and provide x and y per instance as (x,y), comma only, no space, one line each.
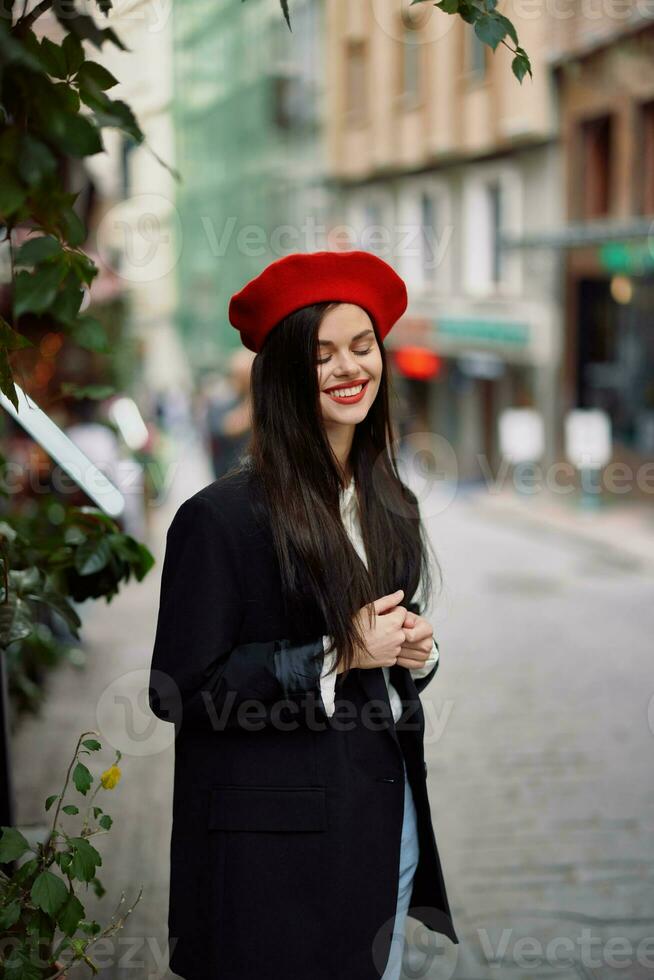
(303,278)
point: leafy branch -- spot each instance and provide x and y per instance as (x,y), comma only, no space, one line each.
(490,26)
(39,899)
(53,105)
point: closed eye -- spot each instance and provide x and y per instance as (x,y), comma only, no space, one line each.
(361,353)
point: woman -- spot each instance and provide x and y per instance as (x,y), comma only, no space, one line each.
(289,654)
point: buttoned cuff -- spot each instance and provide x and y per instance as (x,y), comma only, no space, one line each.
(328,678)
(429,663)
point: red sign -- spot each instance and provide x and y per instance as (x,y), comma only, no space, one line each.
(417,362)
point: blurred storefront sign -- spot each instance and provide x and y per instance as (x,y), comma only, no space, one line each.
(419,363)
(481,364)
(504,332)
(633,257)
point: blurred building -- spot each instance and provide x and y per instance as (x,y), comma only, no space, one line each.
(137,232)
(435,153)
(248,106)
(604,72)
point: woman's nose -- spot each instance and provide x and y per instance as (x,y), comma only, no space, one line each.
(346,365)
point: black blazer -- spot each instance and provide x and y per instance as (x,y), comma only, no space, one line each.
(286,823)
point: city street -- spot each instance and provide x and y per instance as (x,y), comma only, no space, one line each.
(538,743)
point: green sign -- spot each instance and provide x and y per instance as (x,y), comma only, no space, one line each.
(627,256)
(490,331)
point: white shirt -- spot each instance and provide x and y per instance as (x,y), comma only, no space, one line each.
(350,517)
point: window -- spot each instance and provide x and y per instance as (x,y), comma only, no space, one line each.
(428,231)
(127,146)
(356,101)
(593,177)
(410,49)
(475,54)
(374,235)
(494,194)
(491,209)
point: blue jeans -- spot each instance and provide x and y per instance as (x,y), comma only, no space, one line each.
(408,863)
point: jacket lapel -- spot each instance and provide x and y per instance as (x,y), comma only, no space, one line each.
(372,682)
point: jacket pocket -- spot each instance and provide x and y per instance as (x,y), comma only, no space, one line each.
(268,808)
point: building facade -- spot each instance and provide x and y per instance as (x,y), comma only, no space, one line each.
(436,153)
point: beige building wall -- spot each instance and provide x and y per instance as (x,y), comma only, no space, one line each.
(373,128)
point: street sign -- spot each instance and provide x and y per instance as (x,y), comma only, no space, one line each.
(588,442)
(521,435)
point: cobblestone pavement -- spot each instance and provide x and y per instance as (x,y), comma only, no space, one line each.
(540,749)
(538,744)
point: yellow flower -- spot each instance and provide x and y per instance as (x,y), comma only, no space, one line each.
(110,778)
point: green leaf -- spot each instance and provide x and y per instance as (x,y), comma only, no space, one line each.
(12,845)
(10,339)
(48,892)
(70,809)
(87,391)
(36,250)
(85,859)
(53,58)
(84,27)
(92,75)
(490,29)
(92,556)
(19,966)
(118,114)
(510,29)
(82,778)
(50,800)
(55,600)
(68,300)
(74,135)
(68,98)
(520,66)
(73,227)
(9,915)
(70,915)
(90,334)
(105,821)
(26,870)
(83,267)
(448,6)
(92,744)
(92,928)
(64,859)
(12,195)
(73,53)
(35,291)
(469,12)
(24,52)
(98,887)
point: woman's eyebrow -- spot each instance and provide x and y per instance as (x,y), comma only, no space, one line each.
(357,336)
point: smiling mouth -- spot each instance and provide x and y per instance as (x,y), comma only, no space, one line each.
(349,394)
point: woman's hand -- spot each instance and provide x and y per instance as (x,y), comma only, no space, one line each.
(418,643)
(385,638)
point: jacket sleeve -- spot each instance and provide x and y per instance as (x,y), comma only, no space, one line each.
(423,675)
(200,675)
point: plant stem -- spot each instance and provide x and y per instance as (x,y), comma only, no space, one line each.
(63,792)
(28,20)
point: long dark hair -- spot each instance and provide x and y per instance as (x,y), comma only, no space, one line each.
(290,453)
